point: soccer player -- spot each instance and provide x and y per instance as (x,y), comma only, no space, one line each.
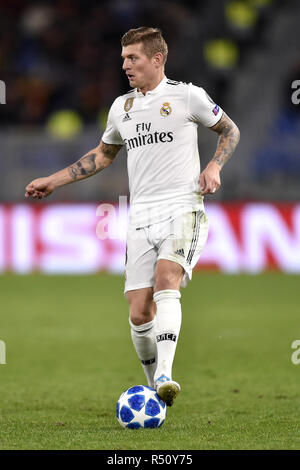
(157,121)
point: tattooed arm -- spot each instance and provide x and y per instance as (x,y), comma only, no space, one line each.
(88,165)
(228,140)
(93,162)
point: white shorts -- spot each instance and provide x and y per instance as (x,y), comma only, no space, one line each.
(181,240)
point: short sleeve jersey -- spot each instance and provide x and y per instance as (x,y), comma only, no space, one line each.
(159,130)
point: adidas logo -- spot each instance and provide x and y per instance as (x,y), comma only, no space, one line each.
(126,118)
(162,378)
(180,252)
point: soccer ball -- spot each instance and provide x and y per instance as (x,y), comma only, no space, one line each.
(140,407)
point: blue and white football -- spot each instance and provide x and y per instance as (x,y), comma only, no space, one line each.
(140,407)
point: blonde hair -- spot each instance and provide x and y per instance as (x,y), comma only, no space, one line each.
(151,39)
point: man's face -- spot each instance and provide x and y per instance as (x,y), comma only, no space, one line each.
(139,69)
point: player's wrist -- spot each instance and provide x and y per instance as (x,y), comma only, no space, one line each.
(214,164)
(53,181)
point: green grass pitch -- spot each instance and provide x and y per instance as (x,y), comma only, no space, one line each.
(69,356)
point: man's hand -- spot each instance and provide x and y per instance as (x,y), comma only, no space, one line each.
(210,178)
(40,188)
(90,164)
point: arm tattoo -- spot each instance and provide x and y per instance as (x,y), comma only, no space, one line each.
(89,164)
(85,166)
(229,138)
(110,151)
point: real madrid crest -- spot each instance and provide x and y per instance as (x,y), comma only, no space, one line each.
(128,104)
(165,110)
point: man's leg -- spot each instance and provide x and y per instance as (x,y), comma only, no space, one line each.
(168,276)
(142,322)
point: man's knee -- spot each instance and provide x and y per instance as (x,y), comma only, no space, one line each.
(142,313)
(142,307)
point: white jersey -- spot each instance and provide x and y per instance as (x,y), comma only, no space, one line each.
(159,130)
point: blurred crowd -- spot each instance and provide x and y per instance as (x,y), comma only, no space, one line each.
(65,54)
(61,63)
(279,156)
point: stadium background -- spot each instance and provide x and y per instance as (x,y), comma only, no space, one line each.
(62,68)
(61,64)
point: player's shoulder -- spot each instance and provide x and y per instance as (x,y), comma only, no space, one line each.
(197,87)
(198,92)
(176,85)
(119,102)
(122,99)
(184,88)
(176,89)
(128,94)
(174,82)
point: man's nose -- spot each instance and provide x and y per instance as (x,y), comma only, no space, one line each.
(125,64)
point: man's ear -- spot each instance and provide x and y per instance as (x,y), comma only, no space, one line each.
(158,58)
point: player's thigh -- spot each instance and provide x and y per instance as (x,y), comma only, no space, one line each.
(141,258)
(168,275)
(141,305)
(184,244)
(140,263)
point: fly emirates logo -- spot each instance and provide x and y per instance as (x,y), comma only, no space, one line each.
(146,137)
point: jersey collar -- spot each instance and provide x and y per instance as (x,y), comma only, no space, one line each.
(156,90)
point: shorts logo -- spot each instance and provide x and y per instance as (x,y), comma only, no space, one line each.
(166,337)
(180,252)
(165,110)
(128,104)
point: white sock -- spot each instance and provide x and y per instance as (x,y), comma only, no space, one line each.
(168,323)
(144,340)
